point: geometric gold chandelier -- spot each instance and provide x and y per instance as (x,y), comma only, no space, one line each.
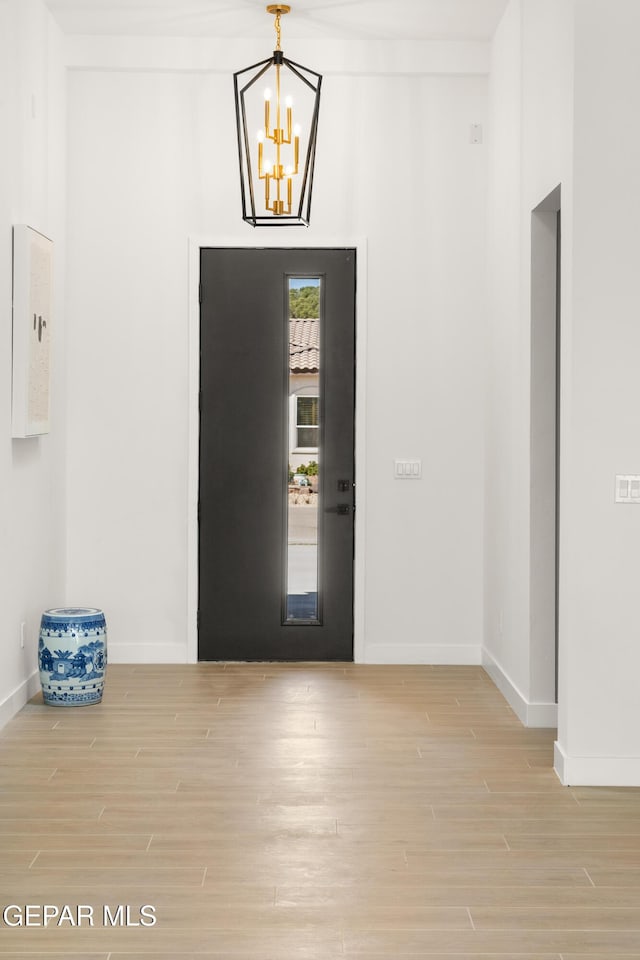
(277,106)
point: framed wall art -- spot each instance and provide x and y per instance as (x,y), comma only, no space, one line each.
(32,296)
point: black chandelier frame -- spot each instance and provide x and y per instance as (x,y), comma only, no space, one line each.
(248,179)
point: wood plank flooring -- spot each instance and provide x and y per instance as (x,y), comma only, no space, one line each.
(307,812)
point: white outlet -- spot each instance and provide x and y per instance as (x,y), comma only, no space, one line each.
(23,630)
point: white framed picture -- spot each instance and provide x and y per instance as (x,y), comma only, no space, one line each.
(32,297)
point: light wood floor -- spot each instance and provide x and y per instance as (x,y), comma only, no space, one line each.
(281,812)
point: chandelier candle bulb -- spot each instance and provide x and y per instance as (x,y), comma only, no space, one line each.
(278,121)
(289,103)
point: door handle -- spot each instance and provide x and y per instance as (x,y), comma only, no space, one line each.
(343,509)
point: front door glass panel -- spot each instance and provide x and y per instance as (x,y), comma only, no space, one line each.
(304,405)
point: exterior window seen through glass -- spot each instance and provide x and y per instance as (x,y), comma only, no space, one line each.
(307,422)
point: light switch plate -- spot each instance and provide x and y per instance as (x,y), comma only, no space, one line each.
(408,469)
(627,488)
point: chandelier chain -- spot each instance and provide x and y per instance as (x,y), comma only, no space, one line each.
(278,30)
(277,9)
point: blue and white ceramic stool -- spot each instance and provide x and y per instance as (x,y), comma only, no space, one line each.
(72,656)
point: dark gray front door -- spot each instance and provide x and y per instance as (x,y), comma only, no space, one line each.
(276,454)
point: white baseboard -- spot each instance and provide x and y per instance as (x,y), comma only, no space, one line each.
(458,654)
(530,714)
(596,771)
(16,700)
(147,653)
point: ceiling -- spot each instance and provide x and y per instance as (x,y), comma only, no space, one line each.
(335,19)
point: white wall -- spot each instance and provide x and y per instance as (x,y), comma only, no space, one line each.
(505,541)
(32,191)
(531,153)
(152,161)
(599,728)
(565,83)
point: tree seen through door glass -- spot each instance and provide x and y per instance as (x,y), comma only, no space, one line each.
(303,450)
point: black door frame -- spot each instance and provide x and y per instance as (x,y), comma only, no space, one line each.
(195,246)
